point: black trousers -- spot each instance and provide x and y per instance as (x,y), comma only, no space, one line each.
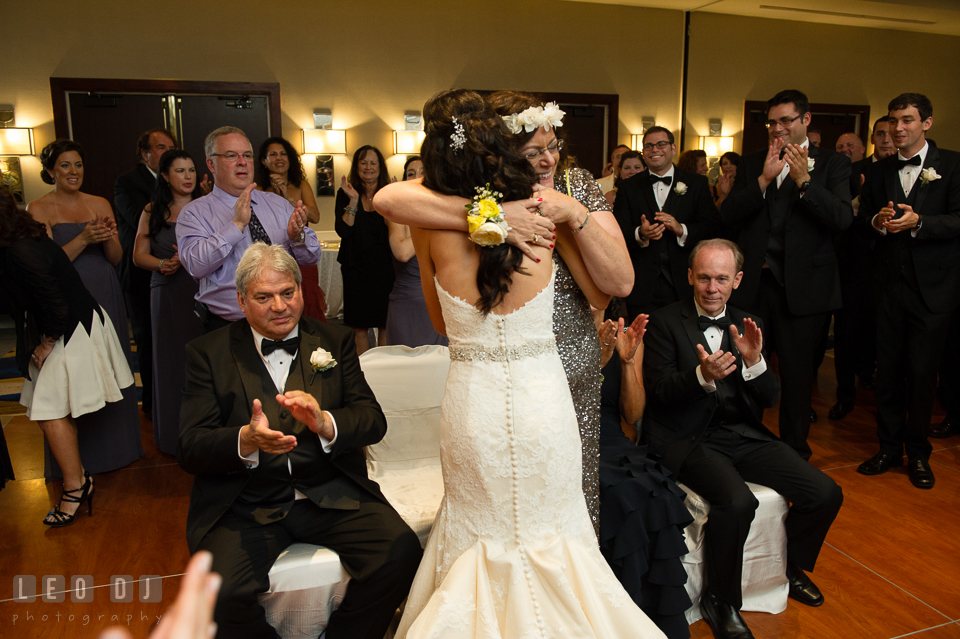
(377,549)
(718,469)
(910,340)
(949,388)
(855,327)
(137,296)
(795,339)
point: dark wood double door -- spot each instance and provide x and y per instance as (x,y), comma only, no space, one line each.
(107,116)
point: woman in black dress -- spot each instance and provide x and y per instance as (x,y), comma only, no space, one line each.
(171,291)
(365,257)
(67,347)
(642,515)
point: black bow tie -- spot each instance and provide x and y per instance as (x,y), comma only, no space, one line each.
(666,179)
(291,345)
(723,323)
(914,161)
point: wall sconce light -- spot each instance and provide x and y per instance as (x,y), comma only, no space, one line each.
(715,143)
(408,141)
(715,146)
(324,139)
(14,142)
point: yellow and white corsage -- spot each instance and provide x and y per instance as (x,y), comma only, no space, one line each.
(487,225)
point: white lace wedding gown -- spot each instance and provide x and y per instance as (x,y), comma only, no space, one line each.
(512,553)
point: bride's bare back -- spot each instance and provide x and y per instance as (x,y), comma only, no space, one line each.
(454,259)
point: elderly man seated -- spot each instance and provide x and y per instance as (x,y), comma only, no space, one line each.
(275,412)
(707,385)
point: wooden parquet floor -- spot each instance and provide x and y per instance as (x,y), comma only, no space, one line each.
(890,568)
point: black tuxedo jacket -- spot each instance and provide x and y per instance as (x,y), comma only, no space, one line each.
(811,278)
(936,249)
(225,374)
(131,194)
(678,409)
(636,199)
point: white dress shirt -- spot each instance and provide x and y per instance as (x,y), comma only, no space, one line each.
(714,337)
(661,192)
(278,364)
(908,177)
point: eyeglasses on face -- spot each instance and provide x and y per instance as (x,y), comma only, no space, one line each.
(661,145)
(784,122)
(553,148)
(232,157)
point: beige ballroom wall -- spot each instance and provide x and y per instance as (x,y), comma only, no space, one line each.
(367,61)
(371,61)
(733,59)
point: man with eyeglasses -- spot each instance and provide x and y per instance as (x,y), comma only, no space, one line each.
(911,204)
(663,212)
(213,231)
(785,209)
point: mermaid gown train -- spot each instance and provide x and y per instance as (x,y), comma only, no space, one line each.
(513,552)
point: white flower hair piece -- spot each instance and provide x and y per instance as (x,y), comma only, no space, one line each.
(548,116)
(457,138)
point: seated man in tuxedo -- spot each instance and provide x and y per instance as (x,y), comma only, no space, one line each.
(663,212)
(275,412)
(706,390)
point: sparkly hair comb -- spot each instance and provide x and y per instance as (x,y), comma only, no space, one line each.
(457,138)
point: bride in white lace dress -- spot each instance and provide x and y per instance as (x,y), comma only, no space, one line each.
(512,553)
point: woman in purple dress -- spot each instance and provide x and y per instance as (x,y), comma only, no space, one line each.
(408,322)
(171,292)
(84,226)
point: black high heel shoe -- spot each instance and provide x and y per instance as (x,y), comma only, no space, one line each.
(56,518)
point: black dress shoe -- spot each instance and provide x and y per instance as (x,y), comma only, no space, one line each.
(880,463)
(946,428)
(813,416)
(801,588)
(920,474)
(724,619)
(867,383)
(840,410)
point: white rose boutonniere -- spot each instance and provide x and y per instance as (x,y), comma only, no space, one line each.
(810,164)
(322,360)
(928,175)
(680,188)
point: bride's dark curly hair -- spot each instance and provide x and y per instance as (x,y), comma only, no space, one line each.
(488,156)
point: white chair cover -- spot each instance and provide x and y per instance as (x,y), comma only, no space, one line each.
(764,583)
(307,582)
(409,384)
